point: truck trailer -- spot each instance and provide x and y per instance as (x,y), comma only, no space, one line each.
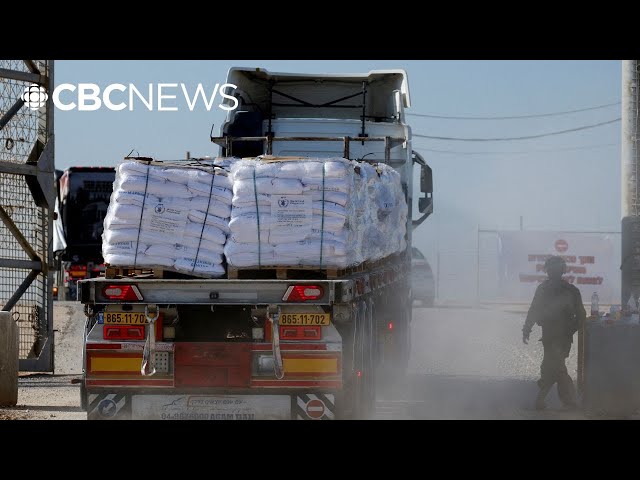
(82,200)
(283,344)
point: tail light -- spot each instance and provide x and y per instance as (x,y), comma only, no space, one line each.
(128,332)
(126,293)
(303,293)
(132,332)
(300,332)
(78,271)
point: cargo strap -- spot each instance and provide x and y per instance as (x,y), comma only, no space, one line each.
(148,366)
(321,216)
(144,201)
(255,194)
(206,215)
(275,341)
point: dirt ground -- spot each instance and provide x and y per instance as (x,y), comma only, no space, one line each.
(466,363)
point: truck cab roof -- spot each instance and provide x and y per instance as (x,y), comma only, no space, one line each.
(341,96)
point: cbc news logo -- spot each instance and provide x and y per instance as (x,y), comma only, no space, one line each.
(34,96)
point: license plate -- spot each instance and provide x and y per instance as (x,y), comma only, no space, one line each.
(304,319)
(124,318)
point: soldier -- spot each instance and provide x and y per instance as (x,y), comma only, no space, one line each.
(557,307)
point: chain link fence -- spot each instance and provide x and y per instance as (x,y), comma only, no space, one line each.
(22,139)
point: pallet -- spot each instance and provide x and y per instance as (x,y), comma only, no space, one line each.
(297,272)
(112,272)
(265,272)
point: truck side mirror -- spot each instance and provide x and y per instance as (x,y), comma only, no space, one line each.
(425,203)
(426,181)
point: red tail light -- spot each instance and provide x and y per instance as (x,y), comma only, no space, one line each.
(127,293)
(127,332)
(301,333)
(131,332)
(302,293)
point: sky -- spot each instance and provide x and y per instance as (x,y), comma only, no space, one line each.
(562,182)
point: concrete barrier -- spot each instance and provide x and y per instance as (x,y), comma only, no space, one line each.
(8,360)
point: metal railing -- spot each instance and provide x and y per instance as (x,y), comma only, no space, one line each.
(227,142)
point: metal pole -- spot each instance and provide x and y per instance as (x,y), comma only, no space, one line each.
(629,138)
(630,178)
(478,266)
(8,360)
(438,276)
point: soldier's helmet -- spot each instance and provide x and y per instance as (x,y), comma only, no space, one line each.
(555,264)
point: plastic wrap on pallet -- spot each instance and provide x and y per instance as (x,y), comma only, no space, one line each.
(169,215)
(388,213)
(326,213)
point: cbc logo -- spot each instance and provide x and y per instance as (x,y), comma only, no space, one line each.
(35,97)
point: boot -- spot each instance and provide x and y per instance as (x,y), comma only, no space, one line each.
(542,394)
(567,392)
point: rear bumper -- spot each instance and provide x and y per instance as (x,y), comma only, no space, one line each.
(107,404)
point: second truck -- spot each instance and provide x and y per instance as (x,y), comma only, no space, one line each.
(186,348)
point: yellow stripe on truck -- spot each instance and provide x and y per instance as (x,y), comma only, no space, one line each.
(115,364)
(310,365)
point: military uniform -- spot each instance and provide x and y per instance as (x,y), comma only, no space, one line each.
(557,307)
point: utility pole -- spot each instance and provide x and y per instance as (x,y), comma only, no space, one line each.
(630,178)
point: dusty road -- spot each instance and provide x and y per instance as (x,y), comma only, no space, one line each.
(465,364)
(54,397)
(471,364)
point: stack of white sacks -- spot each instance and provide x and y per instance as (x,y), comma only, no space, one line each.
(314,212)
(326,213)
(170,216)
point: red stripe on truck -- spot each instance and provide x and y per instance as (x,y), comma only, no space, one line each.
(335,384)
(142,382)
(260,347)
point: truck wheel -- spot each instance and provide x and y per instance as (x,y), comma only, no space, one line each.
(404,343)
(357,399)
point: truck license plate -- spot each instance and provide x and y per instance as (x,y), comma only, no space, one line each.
(124,318)
(304,319)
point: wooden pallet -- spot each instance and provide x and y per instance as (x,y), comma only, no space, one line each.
(265,272)
(295,272)
(113,272)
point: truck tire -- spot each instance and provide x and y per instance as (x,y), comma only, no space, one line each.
(356,401)
(404,343)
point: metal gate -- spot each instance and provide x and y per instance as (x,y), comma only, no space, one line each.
(27,197)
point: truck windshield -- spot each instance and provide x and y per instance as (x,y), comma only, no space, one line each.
(84,200)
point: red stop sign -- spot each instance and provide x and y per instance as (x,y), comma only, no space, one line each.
(315,408)
(562,246)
